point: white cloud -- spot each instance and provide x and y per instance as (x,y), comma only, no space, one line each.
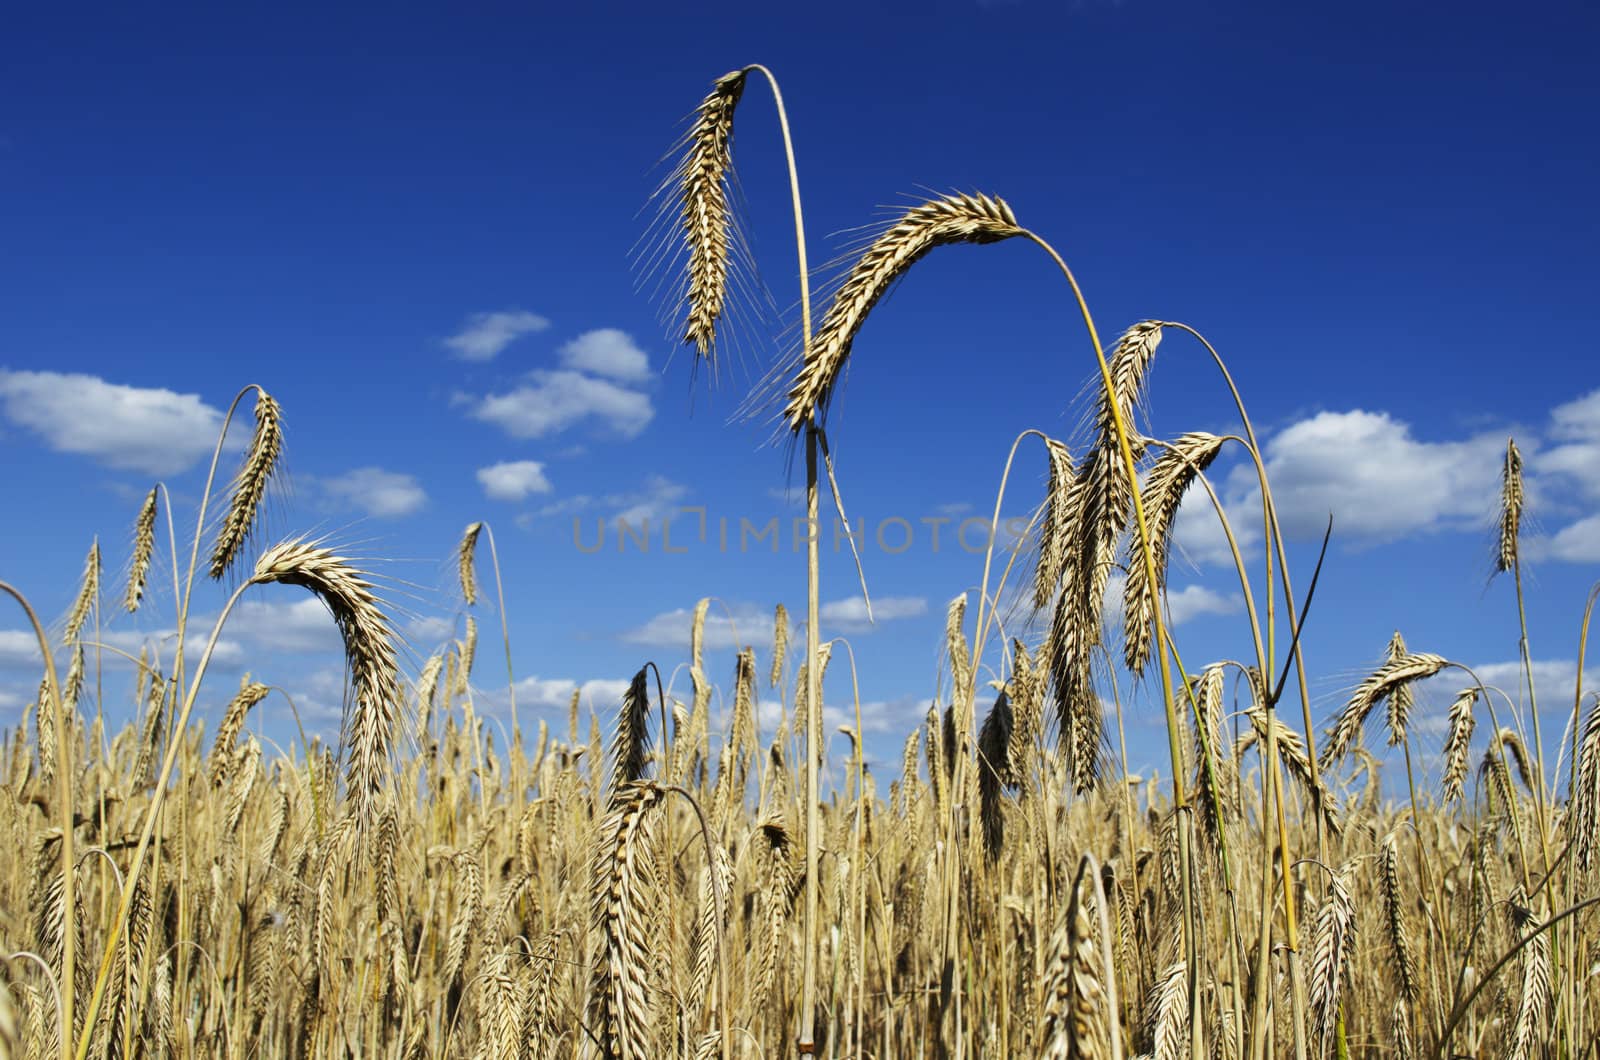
(1379,481)
(1190,602)
(1577,543)
(602,695)
(1578,419)
(1575,459)
(851,613)
(607,352)
(484,335)
(431,630)
(553,401)
(513,480)
(19,649)
(302,625)
(1193,601)
(1552,681)
(151,430)
(748,624)
(374,491)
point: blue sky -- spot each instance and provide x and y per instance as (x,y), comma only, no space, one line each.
(413,228)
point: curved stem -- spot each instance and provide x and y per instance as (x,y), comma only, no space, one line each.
(808,998)
(1147,557)
(199,531)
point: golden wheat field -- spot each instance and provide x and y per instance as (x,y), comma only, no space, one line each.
(661,879)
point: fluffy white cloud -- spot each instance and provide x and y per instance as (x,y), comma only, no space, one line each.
(1578,419)
(19,649)
(602,695)
(1576,543)
(1193,601)
(513,480)
(1552,681)
(1575,458)
(484,335)
(430,630)
(608,352)
(290,625)
(850,614)
(553,401)
(374,491)
(151,430)
(1378,480)
(1190,602)
(747,624)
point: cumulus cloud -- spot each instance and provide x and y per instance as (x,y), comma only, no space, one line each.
(513,480)
(151,430)
(724,630)
(1578,542)
(1552,681)
(1574,459)
(294,625)
(430,630)
(551,693)
(374,491)
(550,402)
(484,335)
(607,352)
(850,614)
(1379,480)
(1183,605)
(1194,601)
(19,649)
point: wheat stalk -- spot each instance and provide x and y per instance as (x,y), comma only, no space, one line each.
(1397,672)
(936,223)
(1333,938)
(625,887)
(368,729)
(144,544)
(1534,999)
(703,177)
(1511,498)
(1405,964)
(630,742)
(1457,744)
(1168,480)
(1056,527)
(1583,818)
(465,553)
(249,485)
(1400,699)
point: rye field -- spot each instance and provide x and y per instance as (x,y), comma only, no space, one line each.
(666,878)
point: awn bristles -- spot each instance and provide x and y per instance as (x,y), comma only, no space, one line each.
(1397,672)
(936,223)
(465,566)
(368,729)
(1458,743)
(705,216)
(1169,479)
(249,487)
(144,545)
(1511,498)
